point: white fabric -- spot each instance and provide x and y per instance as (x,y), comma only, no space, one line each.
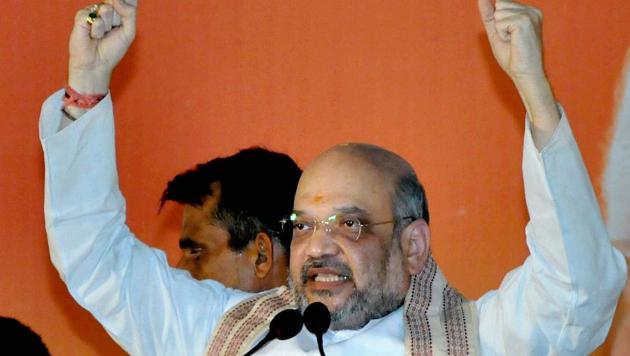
(616,182)
(560,301)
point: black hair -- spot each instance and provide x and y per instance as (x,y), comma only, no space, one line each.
(257,187)
(19,338)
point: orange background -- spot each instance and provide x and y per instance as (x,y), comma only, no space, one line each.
(206,78)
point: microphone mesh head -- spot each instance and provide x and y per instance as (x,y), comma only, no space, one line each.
(286,324)
(317,318)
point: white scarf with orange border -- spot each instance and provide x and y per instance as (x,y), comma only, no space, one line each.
(438,320)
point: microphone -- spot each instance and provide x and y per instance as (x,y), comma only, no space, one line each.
(283,326)
(317,321)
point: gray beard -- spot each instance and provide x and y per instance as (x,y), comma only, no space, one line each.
(375,301)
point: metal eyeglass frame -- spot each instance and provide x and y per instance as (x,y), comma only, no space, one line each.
(339,219)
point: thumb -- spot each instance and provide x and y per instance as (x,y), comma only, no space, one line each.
(486,12)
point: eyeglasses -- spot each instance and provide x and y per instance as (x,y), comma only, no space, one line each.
(344,225)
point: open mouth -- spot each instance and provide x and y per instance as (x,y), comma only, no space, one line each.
(326,278)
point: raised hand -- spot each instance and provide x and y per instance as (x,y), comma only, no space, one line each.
(515,34)
(96,48)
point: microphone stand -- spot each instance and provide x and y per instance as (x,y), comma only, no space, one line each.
(320,344)
(261,343)
(317,321)
(285,325)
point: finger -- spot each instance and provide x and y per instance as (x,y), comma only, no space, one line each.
(486,12)
(534,15)
(116,19)
(533,12)
(511,5)
(506,4)
(81,30)
(106,13)
(127,11)
(80,19)
(98,28)
(505,13)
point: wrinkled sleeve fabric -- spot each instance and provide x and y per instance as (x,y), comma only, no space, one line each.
(562,299)
(146,306)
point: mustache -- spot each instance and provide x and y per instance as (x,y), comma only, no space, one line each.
(324,262)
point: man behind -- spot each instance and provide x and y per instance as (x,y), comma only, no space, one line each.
(361,239)
(231,231)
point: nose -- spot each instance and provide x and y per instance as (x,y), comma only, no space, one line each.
(321,242)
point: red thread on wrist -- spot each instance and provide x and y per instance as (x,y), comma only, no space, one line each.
(84,101)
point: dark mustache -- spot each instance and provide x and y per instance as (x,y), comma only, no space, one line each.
(323,262)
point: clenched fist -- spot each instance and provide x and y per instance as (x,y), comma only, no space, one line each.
(96,49)
(515,34)
(514,31)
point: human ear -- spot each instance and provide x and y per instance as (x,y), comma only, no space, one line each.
(263,246)
(415,243)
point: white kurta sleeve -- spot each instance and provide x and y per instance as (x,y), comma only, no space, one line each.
(146,306)
(562,299)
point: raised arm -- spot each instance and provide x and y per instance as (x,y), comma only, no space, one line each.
(100,38)
(146,306)
(561,300)
(515,35)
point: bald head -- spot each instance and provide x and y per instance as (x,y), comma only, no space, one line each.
(348,162)
(390,164)
(364,276)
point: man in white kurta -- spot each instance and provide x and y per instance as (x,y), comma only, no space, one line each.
(560,301)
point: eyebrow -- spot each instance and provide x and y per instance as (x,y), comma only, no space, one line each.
(352,209)
(297,212)
(188,243)
(355,210)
